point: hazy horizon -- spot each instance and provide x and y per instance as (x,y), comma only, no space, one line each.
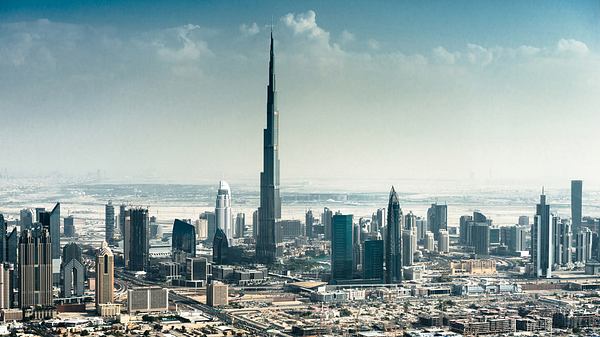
(471,92)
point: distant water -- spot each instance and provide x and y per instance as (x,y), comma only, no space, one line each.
(85,200)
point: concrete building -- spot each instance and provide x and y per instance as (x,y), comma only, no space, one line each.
(147,299)
(217,294)
(429,241)
(576,203)
(35,268)
(444,242)
(223,213)
(105,275)
(109,222)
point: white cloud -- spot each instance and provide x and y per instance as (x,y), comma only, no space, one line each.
(249,30)
(305,23)
(373,44)
(442,55)
(477,54)
(571,47)
(179,45)
(347,37)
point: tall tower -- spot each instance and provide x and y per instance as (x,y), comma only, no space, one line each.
(393,243)
(541,240)
(223,214)
(270,203)
(576,198)
(105,275)
(341,247)
(137,244)
(35,268)
(109,221)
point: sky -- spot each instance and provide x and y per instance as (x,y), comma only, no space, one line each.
(387,90)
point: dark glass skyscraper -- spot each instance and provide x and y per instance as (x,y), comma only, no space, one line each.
(35,268)
(137,239)
(184,239)
(220,247)
(393,240)
(3,248)
(51,221)
(541,240)
(341,247)
(270,203)
(373,260)
(576,198)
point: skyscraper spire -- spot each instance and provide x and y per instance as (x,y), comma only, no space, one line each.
(270,203)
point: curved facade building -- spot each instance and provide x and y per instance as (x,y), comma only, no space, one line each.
(223,214)
(393,240)
(184,238)
(220,247)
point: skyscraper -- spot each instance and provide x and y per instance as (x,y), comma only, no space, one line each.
(5,285)
(220,247)
(51,221)
(583,245)
(26,219)
(240,225)
(3,248)
(223,214)
(109,222)
(437,219)
(72,271)
(373,260)
(326,218)
(137,239)
(309,221)
(562,241)
(270,202)
(576,199)
(444,242)
(183,241)
(409,246)
(341,247)
(35,268)
(480,238)
(69,226)
(105,275)
(122,218)
(541,240)
(393,240)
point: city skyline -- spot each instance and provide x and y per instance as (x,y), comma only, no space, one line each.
(488,90)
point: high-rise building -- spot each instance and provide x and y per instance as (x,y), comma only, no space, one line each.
(105,275)
(26,219)
(69,226)
(480,238)
(183,241)
(147,299)
(393,240)
(429,241)
(437,219)
(326,218)
(409,246)
(583,245)
(464,231)
(514,238)
(524,221)
(109,222)
(562,241)
(137,246)
(380,220)
(341,247)
(576,200)
(223,215)
(240,225)
(217,294)
(197,269)
(6,288)
(123,215)
(211,225)
(309,222)
(444,242)
(541,240)
(51,221)
(35,268)
(255,224)
(3,244)
(421,228)
(220,247)
(373,260)
(270,202)
(72,271)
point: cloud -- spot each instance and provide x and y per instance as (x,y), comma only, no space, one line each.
(179,44)
(347,37)
(479,55)
(305,23)
(442,55)
(572,47)
(373,44)
(249,30)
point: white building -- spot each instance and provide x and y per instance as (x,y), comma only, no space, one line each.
(223,214)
